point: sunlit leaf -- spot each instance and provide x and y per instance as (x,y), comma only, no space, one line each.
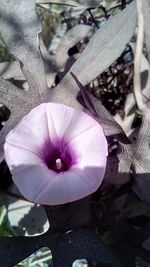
(20,34)
(104,47)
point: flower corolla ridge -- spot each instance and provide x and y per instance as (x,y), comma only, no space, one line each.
(56,154)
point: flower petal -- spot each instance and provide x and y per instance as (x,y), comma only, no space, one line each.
(32,127)
(54,130)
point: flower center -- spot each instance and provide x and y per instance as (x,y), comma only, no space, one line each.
(58,157)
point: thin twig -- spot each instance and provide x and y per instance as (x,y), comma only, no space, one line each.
(104,10)
(117,6)
(138,55)
(93,19)
(123,4)
(66,20)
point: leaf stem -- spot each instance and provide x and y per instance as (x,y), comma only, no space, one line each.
(8,193)
(138,55)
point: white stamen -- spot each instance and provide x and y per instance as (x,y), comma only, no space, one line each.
(58,164)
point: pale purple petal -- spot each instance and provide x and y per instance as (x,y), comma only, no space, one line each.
(58,117)
(32,127)
(56,154)
(89,141)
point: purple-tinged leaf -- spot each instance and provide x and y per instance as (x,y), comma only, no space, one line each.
(10,95)
(137,156)
(141,162)
(10,70)
(129,115)
(18,103)
(19,27)
(145,74)
(104,47)
(71,38)
(146,13)
(110,126)
(118,169)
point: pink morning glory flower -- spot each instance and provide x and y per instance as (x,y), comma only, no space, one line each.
(56,154)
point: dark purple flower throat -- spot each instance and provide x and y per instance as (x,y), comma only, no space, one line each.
(59,156)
